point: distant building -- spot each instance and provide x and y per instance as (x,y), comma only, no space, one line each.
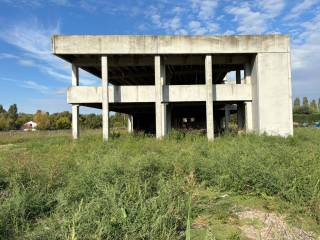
(29,126)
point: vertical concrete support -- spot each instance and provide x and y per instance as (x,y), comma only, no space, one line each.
(271,83)
(105,98)
(160,107)
(248,117)
(75,107)
(209,99)
(248,105)
(130,123)
(238,77)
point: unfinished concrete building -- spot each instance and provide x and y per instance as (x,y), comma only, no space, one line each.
(165,82)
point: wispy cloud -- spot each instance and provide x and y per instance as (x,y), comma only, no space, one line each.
(301,7)
(191,17)
(37,3)
(34,41)
(205,8)
(249,21)
(35,86)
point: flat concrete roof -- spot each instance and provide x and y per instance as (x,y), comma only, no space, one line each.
(130,44)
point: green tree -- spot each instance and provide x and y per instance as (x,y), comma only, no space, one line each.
(313,106)
(42,119)
(305,102)
(297,102)
(63,123)
(2,110)
(296,105)
(23,118)
(319,105)
(12,116)
(4,124)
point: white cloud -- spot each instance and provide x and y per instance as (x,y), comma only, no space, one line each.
(300,8)
(34,40)
(196,28)
(8,56)
(35,86)
(272,7)
(305,59)
(205,8)
(26,62)
(249,21)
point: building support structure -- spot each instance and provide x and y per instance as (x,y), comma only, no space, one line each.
(209,98)
(75,107)
(105,98)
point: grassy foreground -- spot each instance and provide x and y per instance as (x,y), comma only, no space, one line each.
(135,187)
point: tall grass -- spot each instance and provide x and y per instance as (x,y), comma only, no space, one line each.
(136,187)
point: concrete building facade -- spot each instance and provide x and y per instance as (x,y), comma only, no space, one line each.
(165,82)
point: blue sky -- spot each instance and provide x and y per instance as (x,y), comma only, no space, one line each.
(35,79)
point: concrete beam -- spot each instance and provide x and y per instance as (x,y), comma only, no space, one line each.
(209,97)
(117,44)
(105,98)
(171,93)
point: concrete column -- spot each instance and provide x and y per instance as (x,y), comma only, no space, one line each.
(248,105)
(248,117)
(105,98)
(238,77)
(160,107)
(130,123)
(75,107)
(209,99)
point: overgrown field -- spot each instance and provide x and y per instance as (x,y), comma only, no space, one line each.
(136,187)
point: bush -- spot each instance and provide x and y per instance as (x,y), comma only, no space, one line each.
(137,187)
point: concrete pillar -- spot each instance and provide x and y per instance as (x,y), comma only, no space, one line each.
(160,107)
(75,107)
(209,99)
(105,98)
(130,123)
(248,117)
(248,105)
(238,77)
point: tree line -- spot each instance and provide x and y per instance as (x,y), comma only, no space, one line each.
(12,120)
(305,107)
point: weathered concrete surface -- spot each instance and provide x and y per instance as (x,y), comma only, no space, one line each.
(272,94)
(121,44)
(143,71)
(172,93)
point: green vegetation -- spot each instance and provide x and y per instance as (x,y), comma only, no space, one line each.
(306,108)
(309,119)
(136,187)
(12,120)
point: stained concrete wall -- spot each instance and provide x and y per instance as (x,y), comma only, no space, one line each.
(172,93)
(113,44)
(269,89)
(272,107)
